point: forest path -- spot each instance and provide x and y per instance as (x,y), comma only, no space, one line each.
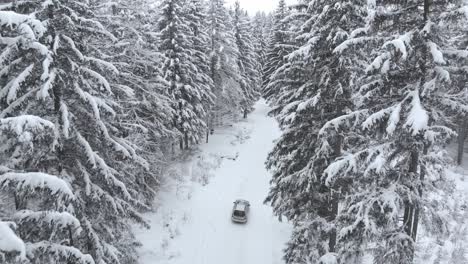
(192,223)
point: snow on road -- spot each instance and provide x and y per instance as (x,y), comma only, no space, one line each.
(192,222)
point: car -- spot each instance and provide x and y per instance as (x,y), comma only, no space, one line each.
(240,211)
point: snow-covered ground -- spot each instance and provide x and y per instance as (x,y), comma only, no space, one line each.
(191,224)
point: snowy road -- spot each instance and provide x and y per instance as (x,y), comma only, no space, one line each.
(192,224)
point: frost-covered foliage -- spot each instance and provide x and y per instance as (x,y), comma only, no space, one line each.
(12,248)
(249,67)
(190,97)
(408,102)
(279,46)
(93,94)
(312,109)
(261,29)
(65,159)
(233,95)
(144,114)
(367,102)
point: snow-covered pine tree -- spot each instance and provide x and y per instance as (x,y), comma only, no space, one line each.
(406,101)
(278,48)
(70,90)
(459,39)
(145,113)
(223,60)
(247,63)
(318,92)
(190,97)
(196,14)
(276,80)
(36,203)
(260,33)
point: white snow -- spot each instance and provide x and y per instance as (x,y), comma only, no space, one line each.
(347,164)
(9,242)
(60,219)
(400,44)
(437,55)
(418,118)
(101,79)
(394,119)
(329,258)
(14,85)
(61,251)
(23,125)
(192,223)
(10,18)
(32,180)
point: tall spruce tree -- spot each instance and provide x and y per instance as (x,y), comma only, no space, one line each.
(224,56)
(260,32)
(406,102)
(38,202)
(196,15)
(187,92)
(146,115)
(313,107)
(277,50)
(247,62)
(66,86)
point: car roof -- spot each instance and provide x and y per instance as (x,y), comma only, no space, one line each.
(240,207)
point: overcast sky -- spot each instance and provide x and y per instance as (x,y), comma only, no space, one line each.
(257,5)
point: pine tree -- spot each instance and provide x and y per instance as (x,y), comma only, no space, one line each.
(196,15)
(223,56)
(246,61)
(405,101)
(314,103)
(188,95)
(67,87)
(146,115)
(40,202)
(260,33)
(277,50)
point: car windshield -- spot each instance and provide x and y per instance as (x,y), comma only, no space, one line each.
(239,213)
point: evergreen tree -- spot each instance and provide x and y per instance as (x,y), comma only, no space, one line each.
(67,87)
(188,94)
(146,115)
(260,34)
(39,201)
(197,18)
(314,103)
(277,50)
(223,57)
(246,61)
(406,101)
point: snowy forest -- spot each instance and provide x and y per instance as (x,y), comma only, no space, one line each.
(97,97)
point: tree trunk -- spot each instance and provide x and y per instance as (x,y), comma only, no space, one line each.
(411,223)
(333,214)
(461,140)
(186,139)
(70,236)
(334,197)
(408,217)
